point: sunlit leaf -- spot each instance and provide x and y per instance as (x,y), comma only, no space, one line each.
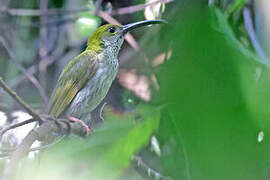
(218,95)
(87,23)
(106,153)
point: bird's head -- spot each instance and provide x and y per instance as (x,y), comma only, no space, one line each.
(111,36)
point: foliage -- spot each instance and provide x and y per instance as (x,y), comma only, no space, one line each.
(105,155)
(214,87)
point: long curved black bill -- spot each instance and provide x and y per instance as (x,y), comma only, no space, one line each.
(131,26)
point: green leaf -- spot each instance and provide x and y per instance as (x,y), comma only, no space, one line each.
(86,24)
(119,156)
(235,6)
(105,154)
(218,95)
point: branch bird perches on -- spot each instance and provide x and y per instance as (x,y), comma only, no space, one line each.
(46,128)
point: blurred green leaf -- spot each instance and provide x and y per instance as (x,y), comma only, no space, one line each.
(119,156)
(218,94)
(87,23)
(235,6)
(104,155)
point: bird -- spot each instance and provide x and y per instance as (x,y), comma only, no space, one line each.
(86,79)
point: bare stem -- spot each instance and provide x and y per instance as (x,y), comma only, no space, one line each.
(8,151)
(41,133)
(135,8)
(32,79)
(43,50)
(15,126)
(253,38)
(20,101)
(53,12)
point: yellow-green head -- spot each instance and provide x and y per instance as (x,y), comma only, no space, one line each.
(111,35)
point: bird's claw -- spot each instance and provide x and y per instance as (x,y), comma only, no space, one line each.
(87,129)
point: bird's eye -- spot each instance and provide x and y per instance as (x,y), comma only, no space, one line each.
(111,30)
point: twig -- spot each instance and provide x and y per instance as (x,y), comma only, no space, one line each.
(36,24)
(32,70)
(50,12)
(107,16)
(32,79)
(3,131)
(135,8)
(40,134)
(250,29)
(8,151)
(20,101)
(36,12)
(43,50)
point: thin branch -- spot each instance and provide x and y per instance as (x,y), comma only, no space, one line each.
(135,8)
(8,151)
(20,101)
(43,50)
(32,79)
(32,70)
(250,29)
(41,134)
(52,12)
(107,16)
(4,130)
(36,12)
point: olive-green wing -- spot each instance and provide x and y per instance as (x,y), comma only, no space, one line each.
(71,81)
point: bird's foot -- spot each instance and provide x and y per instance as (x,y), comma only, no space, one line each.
(87,129)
